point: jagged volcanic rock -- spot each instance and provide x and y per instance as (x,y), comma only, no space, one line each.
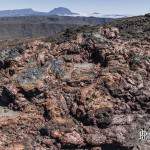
(87,92)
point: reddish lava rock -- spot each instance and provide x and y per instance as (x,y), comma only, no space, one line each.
(88,92)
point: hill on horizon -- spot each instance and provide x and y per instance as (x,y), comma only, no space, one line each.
(60,11)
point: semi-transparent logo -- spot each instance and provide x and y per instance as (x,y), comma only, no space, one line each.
(144,135)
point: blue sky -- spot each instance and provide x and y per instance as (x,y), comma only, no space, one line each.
(82,6)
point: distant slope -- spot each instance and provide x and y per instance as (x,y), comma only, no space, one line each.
(134,27)
(42,26)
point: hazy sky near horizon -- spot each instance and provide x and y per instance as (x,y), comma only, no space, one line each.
(135,7)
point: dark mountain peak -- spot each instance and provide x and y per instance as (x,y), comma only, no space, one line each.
(61,11)
(147,15)
(96,13)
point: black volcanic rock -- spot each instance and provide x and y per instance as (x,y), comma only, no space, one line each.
(61,11)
